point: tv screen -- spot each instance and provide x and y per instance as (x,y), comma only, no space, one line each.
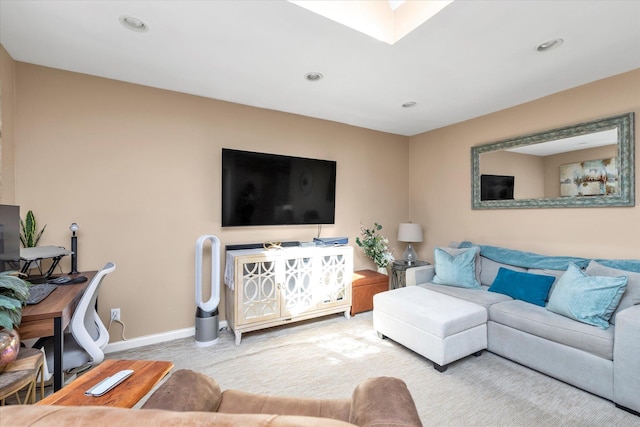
(270,189)
(496,187)
(9,238)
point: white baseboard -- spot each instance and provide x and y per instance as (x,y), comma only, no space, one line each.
(154,339)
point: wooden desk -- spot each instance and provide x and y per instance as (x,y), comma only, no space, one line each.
(147,373)
(51,316)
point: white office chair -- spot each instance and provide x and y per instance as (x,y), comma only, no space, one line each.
(87,334)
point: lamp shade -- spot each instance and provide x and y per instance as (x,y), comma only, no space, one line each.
(409,232)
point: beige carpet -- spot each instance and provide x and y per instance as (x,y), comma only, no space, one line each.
(329,356)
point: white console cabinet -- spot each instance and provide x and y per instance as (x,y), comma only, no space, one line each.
(266,288)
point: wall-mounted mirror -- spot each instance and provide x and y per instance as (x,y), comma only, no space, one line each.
(585,165)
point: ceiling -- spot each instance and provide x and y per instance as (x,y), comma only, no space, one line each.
(470,59)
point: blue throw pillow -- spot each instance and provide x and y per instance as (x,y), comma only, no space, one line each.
(533,288)
(456,270)
(587,299)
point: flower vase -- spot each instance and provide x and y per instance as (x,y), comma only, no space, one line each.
(383,270)
(9,347)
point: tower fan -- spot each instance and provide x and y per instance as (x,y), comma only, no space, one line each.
(207,311)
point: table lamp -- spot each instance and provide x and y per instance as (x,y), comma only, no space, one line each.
(74,248)
(410,233)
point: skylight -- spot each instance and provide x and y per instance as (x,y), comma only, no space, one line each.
(386,21)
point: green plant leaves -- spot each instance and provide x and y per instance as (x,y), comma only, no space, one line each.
(375,245)
(29,235)
(13,295)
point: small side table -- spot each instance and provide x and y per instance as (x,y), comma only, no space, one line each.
(399,268)
(364,285)
(146,374)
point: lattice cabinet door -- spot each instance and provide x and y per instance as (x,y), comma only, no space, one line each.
(258,295)
(297,285)
(335,274)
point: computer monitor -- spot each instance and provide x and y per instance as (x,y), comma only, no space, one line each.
(9,237)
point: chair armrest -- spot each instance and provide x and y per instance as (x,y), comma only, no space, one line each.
(383,401)
(417,275)
(186,390)
(626,363)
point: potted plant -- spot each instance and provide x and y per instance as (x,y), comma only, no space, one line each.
(375,246)
(29,235)
(14,292)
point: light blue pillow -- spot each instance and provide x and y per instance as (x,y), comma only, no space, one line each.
(532,288)
(456,270)
(587,299)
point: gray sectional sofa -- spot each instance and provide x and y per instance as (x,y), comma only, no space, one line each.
(605,362)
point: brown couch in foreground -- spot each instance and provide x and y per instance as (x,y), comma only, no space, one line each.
(191,398)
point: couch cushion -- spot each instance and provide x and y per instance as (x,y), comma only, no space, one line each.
(532,288)
(546,272)
(489,270)
(477,296)
(186,390)
(537,321)
(456,267)
(588,299)
(96,416)
(370,404)
(631,294)
(242,402)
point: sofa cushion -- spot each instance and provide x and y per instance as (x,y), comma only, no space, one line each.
(540,322)
(631,294)
(546,272)
(242,402)
(370,404)
(186,390)
(533,288)
(477,296)
(588,299)
(456,267)
(490,268)
(96,416)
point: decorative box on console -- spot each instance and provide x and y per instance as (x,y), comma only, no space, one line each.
(364,285)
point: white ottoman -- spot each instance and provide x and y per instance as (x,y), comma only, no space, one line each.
(439,327)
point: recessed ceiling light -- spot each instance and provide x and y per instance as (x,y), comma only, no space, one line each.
(550,44)
(313,76)
(409,104)
(133,23)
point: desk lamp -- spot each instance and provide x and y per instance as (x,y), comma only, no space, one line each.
(74,248)
(410,233)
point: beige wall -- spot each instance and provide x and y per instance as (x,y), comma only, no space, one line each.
(7,99)
(441,180)
(139,170)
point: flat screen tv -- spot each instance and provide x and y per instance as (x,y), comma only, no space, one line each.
(9,238)
(270,189)
(496,187)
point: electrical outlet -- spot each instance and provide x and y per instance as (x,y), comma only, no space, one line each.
(115,314)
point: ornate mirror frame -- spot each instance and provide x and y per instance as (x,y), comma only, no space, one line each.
(625,162)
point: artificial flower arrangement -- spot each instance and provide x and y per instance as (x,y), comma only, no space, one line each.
(375,245)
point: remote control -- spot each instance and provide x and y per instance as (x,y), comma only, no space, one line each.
(109,383)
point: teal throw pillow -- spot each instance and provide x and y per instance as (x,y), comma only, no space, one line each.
(587,299)
(532,288)
(631,295)
(456,270)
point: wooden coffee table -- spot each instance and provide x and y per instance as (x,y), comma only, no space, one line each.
(146,374)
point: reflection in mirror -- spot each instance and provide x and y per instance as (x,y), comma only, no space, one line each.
(590,164)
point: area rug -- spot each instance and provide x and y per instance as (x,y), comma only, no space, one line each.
(328,357)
